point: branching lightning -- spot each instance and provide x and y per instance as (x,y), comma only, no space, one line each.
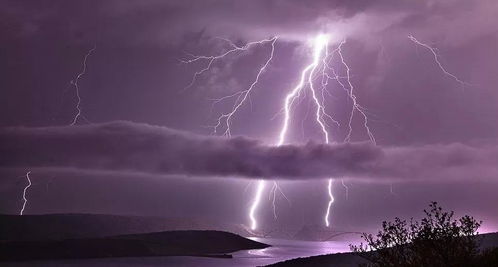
(241,97)
(211,59)
(77,89)
(24,193)
(437,61)
(355,106)
(320,66)
(273,197)
(328,72)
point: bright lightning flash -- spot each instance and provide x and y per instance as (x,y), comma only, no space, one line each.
(24,193)
(320,66)
(320,46)
(241,97)
(77,89)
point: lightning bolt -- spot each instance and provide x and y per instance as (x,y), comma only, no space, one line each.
(437,61)
(306,78)
(355,106)
(209,60)
(273,197)
(77,89)
(391,189)
(255,203)
(24,193)
(346,188)
(348,87)
(329,205)
(241,97)
(78,114)
(319,66)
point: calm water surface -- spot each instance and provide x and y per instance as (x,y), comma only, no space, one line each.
(281,250)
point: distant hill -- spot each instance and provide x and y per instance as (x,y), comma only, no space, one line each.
(66,226)
(322,233)
(171,243)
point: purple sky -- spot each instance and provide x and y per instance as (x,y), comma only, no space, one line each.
(437,140)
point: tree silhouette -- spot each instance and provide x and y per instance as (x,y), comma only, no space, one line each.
(437,240)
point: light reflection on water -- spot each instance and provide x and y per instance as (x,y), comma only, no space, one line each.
(280,250)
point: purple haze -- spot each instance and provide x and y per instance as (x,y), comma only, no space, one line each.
(437,140)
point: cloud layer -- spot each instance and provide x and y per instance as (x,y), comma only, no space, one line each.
(127,147)
(161,22)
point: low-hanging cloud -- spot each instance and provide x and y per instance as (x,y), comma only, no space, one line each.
(127,147)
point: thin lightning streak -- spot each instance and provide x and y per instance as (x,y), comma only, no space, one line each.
(345,187)
(303,120)
(211,59)
(24,193)
(247,186)
(349,88)
(243,95)
(77,89)
(391,189)
(273,197)
(240,98)
(436,59)
(283,194)
(356,107)
(273,192)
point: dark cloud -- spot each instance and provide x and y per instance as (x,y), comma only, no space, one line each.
(424,122)
(129,147)
(163,22)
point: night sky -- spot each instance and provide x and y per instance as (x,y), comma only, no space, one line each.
(144,144)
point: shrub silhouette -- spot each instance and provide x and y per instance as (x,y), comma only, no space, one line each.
(437,240)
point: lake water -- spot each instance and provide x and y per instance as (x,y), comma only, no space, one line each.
(281,250)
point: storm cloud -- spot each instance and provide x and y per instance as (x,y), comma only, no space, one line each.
(160,22)
(127,147)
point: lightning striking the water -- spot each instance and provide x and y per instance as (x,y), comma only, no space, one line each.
(320,57)
(436,59)
(24,193)
(321,43)
(77,89)
(241,97)
(329,205)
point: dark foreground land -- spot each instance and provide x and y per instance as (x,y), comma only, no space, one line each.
(171,243)
(354,259)
(78,236)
